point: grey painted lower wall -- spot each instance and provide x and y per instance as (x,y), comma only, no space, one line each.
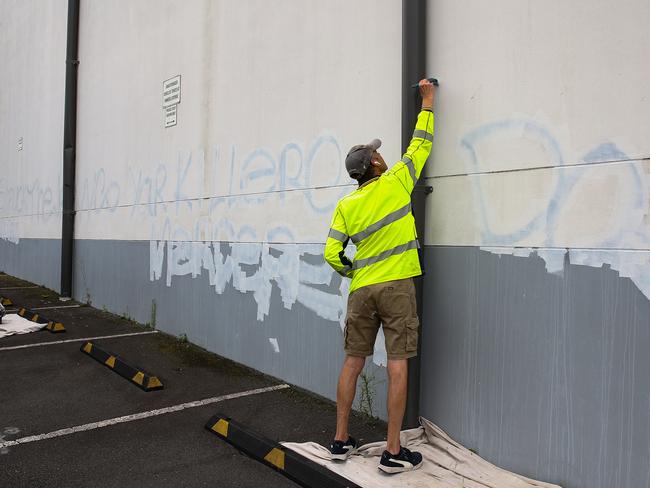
(116,275)
(35,260)
(543,374)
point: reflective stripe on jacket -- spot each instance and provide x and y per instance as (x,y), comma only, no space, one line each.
(377,218)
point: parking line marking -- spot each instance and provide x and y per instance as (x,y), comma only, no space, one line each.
(81,339)
(44,308)
(18,287)
(138,416)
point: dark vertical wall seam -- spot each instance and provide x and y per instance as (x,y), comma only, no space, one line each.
(69,147)
(413,69)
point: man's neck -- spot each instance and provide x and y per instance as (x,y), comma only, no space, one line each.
(366,178)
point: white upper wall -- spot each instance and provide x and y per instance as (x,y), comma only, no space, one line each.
(32,50)
(534,97)
(577,72)
(273,95)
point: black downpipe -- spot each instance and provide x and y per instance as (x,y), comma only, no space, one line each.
(413,70)
(69,148)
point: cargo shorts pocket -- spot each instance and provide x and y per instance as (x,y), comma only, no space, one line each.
(412,329)
(350,341)
(353,341)
(346,337)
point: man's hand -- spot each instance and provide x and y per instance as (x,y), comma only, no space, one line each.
(428,93)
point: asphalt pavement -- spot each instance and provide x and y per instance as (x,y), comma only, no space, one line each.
(63,406)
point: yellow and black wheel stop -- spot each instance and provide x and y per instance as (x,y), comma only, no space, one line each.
(6,301)
(51,326)
(134,374)
(294,466)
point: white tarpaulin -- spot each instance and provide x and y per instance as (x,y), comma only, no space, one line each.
(15,324)
(446,464)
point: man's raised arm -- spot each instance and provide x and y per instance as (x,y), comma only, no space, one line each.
(408,170)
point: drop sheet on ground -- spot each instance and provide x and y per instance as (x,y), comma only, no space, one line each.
(446,464)
(15,324)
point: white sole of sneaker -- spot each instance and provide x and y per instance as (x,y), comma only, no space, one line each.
(395,469)
(343,457)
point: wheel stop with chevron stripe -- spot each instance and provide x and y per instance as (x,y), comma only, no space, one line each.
(52,326)
(291,464)
(134,374)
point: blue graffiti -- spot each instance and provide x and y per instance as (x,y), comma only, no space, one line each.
(34,199)
(181,176)
(154,184)
(287,182)
(270,175)
(98,192)
(547,219)
(320,143)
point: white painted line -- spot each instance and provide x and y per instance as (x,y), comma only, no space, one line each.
(38,344)
(47,308)
(18,287)
(138,416)
(55,306)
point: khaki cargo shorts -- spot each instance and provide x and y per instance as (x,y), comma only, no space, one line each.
(391,305)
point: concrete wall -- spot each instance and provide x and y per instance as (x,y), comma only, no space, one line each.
(32,50)
(538,236)
(537,241)
(220,220)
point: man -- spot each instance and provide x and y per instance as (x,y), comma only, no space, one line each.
(377,218)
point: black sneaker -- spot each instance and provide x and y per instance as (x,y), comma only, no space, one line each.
(341,450)
(404,461)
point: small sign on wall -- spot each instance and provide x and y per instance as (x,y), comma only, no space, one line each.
(172,91)
(171,98)
(170,115)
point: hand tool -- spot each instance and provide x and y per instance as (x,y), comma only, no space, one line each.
(432,80)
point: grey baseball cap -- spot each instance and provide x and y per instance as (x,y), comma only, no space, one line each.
(358,158)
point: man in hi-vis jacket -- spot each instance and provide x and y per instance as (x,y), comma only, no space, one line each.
(377,218)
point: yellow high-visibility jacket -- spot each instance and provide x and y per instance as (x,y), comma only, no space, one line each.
(377,218)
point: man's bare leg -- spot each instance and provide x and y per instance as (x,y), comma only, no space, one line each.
(345,392)
(397,381)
